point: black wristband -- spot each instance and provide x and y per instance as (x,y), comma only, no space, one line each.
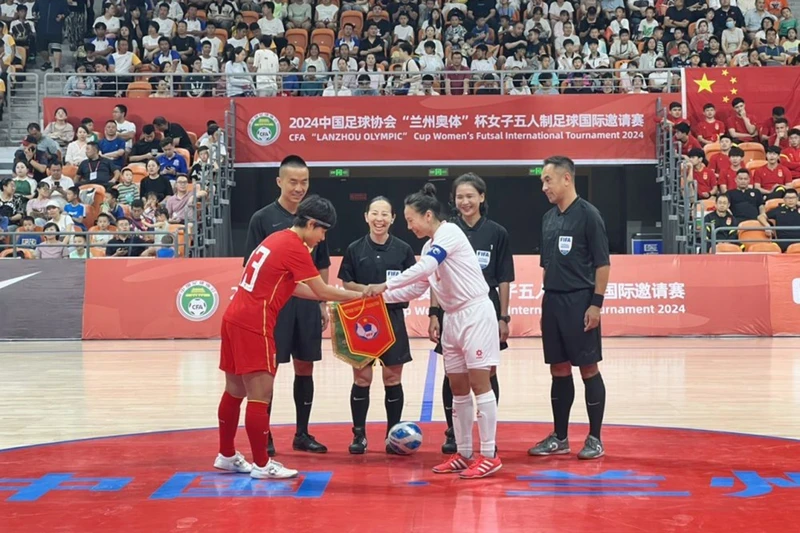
(434,311)
(597,300)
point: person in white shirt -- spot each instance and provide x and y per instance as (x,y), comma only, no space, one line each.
(208,63)
(123,61)
(352,64)
(430,36)
(126,130)
(166,26)
(619,22)
(216,42)
(426,87)
(517,61)
(194,26)
(110,19)
(176,12)
(403,32)
(265,61)
(483,62)
(325,15)
(269,24)
(557,7)
(376,77)
(337,88)
(623,48)
(8,10)
(568,34)
(594,58)
(470,340)
(150,41)
(429,61)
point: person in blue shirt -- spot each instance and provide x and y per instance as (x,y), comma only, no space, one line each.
(166,55)
(171,163)
(74,208)
(112,147)
(103,45)
(28,241)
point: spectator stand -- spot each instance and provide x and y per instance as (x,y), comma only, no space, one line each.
(66,245)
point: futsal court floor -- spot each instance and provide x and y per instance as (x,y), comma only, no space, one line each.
(701,435)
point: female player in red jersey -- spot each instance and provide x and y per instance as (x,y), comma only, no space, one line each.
(280,267)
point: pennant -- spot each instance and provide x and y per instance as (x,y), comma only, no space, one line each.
(361,330)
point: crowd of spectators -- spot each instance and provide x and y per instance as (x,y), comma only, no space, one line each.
(743,171)
(395,46)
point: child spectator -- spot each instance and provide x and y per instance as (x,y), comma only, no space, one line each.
(74,208)
(128,190)
(80,251)
(111,205)
(102,231)
(28,241)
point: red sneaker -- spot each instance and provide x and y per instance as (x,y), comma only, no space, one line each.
(454,464)
(482,467)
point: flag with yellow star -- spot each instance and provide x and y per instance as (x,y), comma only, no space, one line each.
(760,88)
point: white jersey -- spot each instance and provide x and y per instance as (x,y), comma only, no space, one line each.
(448,266)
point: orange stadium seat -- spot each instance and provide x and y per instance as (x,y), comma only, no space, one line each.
(201,14)
(183,152)
(250,17)
(764,248)
(323,37)
(793,248)
(709,204)
(751,230)
(772,203)
(728,248)
(223,36)
(753,151)
(297,37)
(796,185)
(93,210)
(139,171)
(192,137)
(69,171)
(711,149)
(139,89)
(754,164)
(356,18)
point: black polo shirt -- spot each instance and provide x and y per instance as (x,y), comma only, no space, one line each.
(783,216)
(367,262)
(745,204)
(713,220)
(146,148)
(272,218)
(574,245)
(490,242)
(100,169)
(176,131)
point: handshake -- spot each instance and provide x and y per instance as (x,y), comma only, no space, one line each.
(374,290)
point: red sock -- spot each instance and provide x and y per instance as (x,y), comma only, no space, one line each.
(228,416)
(256,422)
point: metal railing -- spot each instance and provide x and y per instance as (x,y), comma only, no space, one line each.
(710,239)
(516,82)
(674,194)
(23,105)
(64,240)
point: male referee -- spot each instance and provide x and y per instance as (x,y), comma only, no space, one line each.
(576,268)
(298,330)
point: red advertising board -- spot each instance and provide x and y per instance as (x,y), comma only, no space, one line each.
(455,130)
(647,296)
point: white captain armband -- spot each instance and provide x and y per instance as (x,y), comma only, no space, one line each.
(438,253)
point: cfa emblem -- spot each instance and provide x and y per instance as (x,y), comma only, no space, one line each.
(264,129)
(484,258)
(366,328)
(564,244)
(197,301)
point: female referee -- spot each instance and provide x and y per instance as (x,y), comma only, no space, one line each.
(470,340)
(373,259)
(493,250)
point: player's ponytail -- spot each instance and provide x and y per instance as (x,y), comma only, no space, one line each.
(425,200)
(477,183)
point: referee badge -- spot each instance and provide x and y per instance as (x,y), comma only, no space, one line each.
(392,274)
(484,258)
(564,244)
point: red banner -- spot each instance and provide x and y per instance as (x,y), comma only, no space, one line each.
(190,113)
(366,326)
(402,130)
(647,296)
(760,88)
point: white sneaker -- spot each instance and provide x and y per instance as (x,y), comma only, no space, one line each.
(237,463)
(272,470)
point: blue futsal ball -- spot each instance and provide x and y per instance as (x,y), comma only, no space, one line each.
(405,438)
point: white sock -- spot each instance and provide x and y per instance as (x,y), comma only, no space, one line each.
(487,422)
(463,418)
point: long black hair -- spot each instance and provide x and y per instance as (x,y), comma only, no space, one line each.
(425,200)
(470,178)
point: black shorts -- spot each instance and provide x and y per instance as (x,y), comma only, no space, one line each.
(50,42)
(494,297)
(298,331)
(563,338)
(400,352)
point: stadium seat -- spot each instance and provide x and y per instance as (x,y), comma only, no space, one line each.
(711,149)
(727,248)
(764,248)
(796,185)
(754,164)
(325,53)
(297,37)
(250,17)
(323,37)
(183,152)
(139,89)
(201,14)
(709,204)
(69,171)
(793,248)
(181,230)
(24,252)
(356,18)
(772,203)
(192,137)
(139,171)
(692,29)
(753,151)
(222,34)
(751,230)
(93,210)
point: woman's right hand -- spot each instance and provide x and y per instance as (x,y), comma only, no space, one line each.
(434,329)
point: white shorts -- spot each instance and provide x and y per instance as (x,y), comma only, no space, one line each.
(470,339)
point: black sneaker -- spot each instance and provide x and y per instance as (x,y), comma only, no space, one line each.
(359,444)
(307,443)
(390,450)
(449,447)
(47,66)
(270,446)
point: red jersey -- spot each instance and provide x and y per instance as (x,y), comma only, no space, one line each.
(709,131)
(274,268)
(736,123)
(690,144)
(719,162)
(706,180)
(728,177)
(767,128)
(784,142)
(790,158)
(769,178)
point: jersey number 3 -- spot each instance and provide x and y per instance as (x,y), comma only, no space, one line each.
(254,265)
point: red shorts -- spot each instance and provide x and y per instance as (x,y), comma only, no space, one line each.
(244,351)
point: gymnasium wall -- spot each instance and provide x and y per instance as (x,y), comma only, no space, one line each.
(657,295)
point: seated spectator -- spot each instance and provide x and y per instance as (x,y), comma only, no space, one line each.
(538,21)
(174,131)
(95,169)
(560,42)
(112,146)
(182,201)
(483,62)
(363,87)
(790,156)
(105,86)
(74,208)
(660,80)
(203,167)
(60,130)
(166,26)
(403,32)
(23,31)
(648,23)
(741,127)
(194,26)
(687,140)
(33,157)
(213,140)
(48,145)
(213,40)
(594,34)
(754,17)
(352,41)
(790,44)
(109,20)
(166,55)
(57,182)
(24,185)
(11,212)
(29,242)
(771,53)
(781,136)
(678,17)
(150,42)
(595,59)
(102,231)
(455,34)
(79,84)
(148,147)
(155,182)
(123,61)
(772,178)
(79,250)
(371,44)
(720,218)
(59,218)
(128,190)
(480,34)
(761,35)
(567,58)
(103,46)
(726,11)
(557,7)
(171,163)
(298,15)
(197,84)
(429,61)
(709,130)
(746,202)
(37,208)
(125,244)
(624,48)
(337,88)
(111,205)
(787,22)
(51,247)
(787,215)
(222,13)
(239,37)
(732,39)
(133,44)
(456,75)
(272,25)
(143,214)
(701,37)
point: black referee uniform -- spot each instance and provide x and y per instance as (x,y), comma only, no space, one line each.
(298,328)
(491,244)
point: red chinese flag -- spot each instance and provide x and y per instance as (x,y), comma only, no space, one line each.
(366,326)
(761,88)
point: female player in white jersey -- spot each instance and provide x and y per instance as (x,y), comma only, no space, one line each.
(470,339)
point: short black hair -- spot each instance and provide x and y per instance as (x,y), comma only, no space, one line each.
(708,106)
(317,209)
(736,152)
(781,120)
(726,136)
(794,131)
(106,215)
(562,162)
(292,161)
(737,101)
(122,108)
(674,105)
(138,203)
(697,152)
(75,190)
(160,121)
(774,150)
(683,128)
(425,200)
(791,191)
(166,142)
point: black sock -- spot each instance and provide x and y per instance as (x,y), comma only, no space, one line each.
(359,405)
(393,401)
(595,403)
(562,394)
(447,401)
(303,398)
(495,387)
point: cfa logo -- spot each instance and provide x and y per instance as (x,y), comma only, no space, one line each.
(197,301)
(366,328)
(264,129)
(796,290)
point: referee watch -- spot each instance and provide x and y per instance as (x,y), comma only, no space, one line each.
(505,318)
(434,311)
